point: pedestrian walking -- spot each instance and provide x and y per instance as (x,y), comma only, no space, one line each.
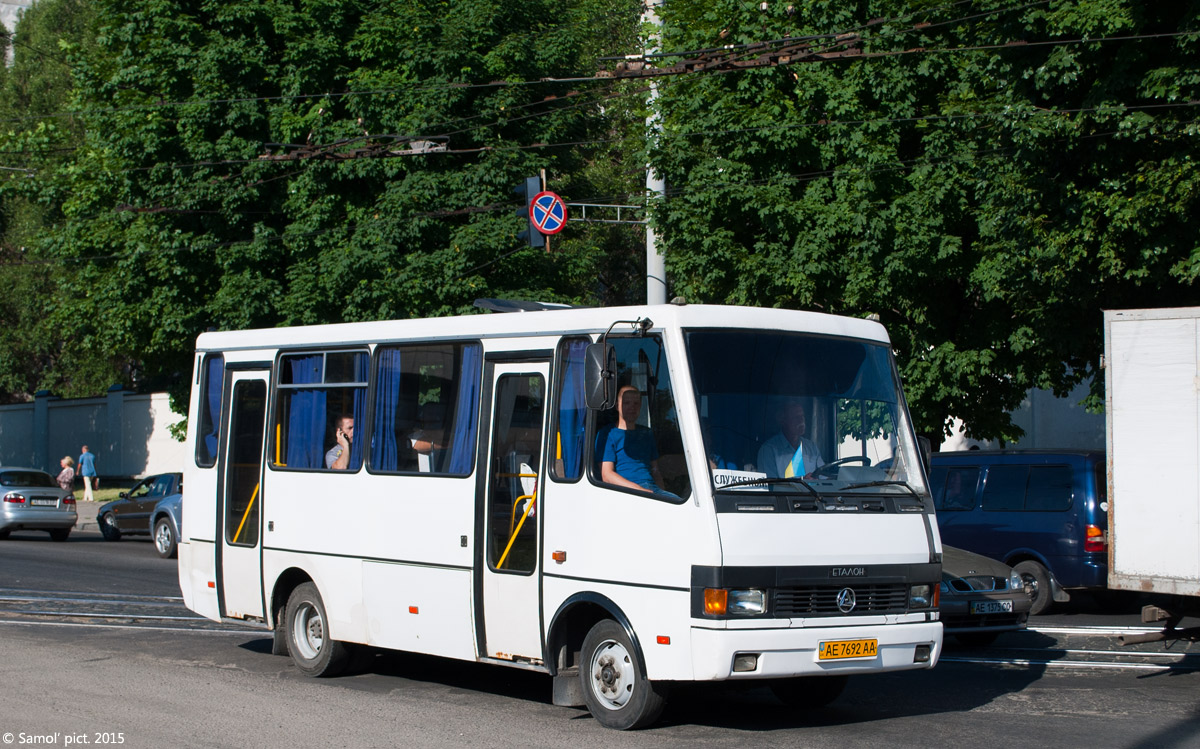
(66,477)
(87,469)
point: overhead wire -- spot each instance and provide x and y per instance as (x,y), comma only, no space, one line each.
(784,179)
(229,162)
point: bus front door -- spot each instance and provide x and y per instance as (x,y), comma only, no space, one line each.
(239,501)
(511,620)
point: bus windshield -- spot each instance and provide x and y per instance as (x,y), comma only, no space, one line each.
(790,412)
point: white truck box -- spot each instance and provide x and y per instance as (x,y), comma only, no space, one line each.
(1152,402)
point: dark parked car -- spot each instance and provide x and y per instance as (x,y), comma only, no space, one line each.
(165,524)
(30,500)
(980,597)
(1044,512)
(133,514)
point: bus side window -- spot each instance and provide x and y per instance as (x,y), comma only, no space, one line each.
(654,436)
(317,391)
(570,438)
(212,379)
(426,409)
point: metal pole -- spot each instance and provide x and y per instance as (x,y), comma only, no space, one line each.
(656,186)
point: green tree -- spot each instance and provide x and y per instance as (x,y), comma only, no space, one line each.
(39,137)
(985,201)
(215,188)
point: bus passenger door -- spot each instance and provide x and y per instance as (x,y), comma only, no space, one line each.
(510,579)
(239,498)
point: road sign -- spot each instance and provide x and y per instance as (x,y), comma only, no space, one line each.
(548,213)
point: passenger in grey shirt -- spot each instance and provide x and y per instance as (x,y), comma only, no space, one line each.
(338,456)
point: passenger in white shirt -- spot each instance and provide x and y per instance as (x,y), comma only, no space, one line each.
(790,453)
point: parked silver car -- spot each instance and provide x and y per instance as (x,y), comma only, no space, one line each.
(980,597)
(133,514)
(31,500)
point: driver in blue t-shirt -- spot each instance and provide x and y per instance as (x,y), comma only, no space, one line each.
(629,457)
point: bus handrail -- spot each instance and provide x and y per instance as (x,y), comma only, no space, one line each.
(246,514)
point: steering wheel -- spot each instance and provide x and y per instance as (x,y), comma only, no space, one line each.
(823,470)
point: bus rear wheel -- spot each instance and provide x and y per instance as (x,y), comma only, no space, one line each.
(617,694)
(314,652)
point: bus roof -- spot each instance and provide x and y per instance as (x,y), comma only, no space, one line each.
(582,320)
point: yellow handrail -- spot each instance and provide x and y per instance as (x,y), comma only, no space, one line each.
(246,514)
(513,537)
(513,518)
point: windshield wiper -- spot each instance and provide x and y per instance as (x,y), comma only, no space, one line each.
(868,484)
(763,481)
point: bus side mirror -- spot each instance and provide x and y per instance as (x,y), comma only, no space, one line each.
(600,376)
(926,450)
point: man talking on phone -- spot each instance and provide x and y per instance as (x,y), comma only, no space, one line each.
(338,456)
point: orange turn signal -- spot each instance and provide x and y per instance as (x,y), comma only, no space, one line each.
(559,556)
(716,600)
(413,610)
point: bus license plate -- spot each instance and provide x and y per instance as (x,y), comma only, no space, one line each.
(834,649)
(990,607)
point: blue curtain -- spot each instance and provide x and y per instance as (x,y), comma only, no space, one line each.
(214,381)
(306,414)
(362,364)
(571,410)
(466,410)
(385,455)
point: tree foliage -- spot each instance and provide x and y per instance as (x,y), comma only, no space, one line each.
(175,212)
(986,201)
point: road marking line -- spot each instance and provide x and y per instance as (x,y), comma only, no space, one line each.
(1097,630)
(133,626)
(88,615)
(1068,664)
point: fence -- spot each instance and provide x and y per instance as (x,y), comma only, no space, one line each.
(127,432)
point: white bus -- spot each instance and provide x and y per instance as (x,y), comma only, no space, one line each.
(757,511)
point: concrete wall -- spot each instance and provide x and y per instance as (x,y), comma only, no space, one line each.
(126,431)
(1048,422)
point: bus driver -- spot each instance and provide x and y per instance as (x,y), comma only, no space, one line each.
(790,453)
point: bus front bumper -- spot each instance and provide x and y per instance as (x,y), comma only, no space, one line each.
(795,651)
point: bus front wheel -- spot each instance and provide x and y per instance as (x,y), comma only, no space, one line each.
(616,692)
(314,652)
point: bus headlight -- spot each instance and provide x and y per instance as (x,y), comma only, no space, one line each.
(747,602)
(921,597)
(724,602)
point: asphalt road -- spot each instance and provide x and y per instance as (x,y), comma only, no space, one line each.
(96,647)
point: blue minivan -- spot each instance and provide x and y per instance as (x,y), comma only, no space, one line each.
(1043,512)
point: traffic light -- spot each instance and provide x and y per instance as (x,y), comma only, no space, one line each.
(528,190)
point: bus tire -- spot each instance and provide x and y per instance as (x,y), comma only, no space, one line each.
(1038,578)
(308,638)
(616,693)
(809,692)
